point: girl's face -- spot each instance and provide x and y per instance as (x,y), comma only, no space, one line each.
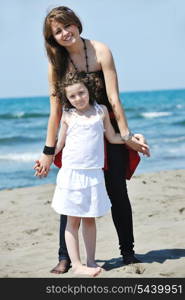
(65,35)
(78,96)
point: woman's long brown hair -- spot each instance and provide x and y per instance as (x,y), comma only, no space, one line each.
(57,54)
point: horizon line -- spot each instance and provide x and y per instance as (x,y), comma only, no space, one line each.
(129,91)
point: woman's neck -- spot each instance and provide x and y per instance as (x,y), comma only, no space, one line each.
(76,48)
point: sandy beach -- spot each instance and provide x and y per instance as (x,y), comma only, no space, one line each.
(29,230)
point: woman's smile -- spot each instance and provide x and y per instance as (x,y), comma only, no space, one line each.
(64,34)
(67,38)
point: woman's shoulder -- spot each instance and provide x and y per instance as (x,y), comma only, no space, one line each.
(102,50)
(99,45)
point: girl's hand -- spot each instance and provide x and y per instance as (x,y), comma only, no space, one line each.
(139,143)
(42,166)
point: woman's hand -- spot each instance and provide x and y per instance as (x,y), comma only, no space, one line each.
(139,143)
(42,166)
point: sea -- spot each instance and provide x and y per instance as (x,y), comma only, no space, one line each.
(158,115)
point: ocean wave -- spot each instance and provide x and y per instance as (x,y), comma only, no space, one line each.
(173,139)
(23,115)
(26,157)
(179,106)
(156,114)
(19,139)
(179,123)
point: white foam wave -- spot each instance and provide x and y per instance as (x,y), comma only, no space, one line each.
(20,156)
(174,140)
(179,106)
(19,114)
(168,152)
(156,114)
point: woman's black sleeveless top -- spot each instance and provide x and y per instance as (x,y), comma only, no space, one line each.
(96,83)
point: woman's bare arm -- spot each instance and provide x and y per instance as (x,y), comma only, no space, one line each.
(111,82)
(42,165)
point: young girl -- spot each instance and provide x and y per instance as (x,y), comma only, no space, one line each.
(80,191)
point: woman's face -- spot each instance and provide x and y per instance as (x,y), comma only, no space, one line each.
(78,96)
(65,35)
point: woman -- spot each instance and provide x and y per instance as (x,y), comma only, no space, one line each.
(68,52)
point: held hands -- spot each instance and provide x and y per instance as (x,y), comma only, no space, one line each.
(42,166)
(139,143)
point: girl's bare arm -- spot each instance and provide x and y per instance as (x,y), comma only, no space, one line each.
(62,135)
(110,134)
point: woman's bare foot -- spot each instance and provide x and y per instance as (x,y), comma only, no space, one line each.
(62,267)
(83,270)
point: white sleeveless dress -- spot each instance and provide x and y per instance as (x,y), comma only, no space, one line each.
(80,189)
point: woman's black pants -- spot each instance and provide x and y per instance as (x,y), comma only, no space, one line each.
(121,208)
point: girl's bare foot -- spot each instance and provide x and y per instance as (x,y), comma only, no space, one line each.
(93,264)
(83,270)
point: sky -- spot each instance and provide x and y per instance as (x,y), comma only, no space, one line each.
(146,37)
